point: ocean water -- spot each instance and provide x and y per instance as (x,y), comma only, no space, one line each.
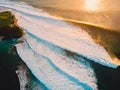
(65,52)
(104,13)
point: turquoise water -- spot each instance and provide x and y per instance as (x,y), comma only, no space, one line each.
(8,58)
(8,65)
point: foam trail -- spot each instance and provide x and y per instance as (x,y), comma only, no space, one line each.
(71,68)
(44,72)
(59,33)
(46,41)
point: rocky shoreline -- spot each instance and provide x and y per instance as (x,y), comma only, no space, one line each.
(27,80)
(13,73)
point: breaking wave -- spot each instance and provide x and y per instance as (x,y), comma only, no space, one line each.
(56,52)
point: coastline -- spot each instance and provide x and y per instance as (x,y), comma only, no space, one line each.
(11,65)
(8,58)
(99,69)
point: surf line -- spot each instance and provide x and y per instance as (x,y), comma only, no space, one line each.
(71,78)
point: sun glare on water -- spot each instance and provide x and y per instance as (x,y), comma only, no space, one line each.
(92,5)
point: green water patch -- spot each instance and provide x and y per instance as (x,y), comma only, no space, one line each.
(8,65)
(8,58)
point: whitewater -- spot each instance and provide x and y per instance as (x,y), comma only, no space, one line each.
(56,52)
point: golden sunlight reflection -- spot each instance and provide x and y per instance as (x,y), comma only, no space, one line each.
(92,4)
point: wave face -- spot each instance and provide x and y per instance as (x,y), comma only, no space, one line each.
(56,52)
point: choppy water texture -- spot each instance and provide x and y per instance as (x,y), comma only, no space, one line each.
(56,52)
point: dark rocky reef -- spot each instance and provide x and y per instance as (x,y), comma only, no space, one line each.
(7,18)
(14,74)
(10,32)
(8,26)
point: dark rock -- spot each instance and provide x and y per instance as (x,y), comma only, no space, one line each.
(8,26)
(9,34)
(7,18)
(8,80)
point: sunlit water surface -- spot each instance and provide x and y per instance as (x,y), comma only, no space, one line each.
(104,13)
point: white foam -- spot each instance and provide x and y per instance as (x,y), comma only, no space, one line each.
(71,66)
(59,33)
(42,69)
(65,36)
(46,39)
